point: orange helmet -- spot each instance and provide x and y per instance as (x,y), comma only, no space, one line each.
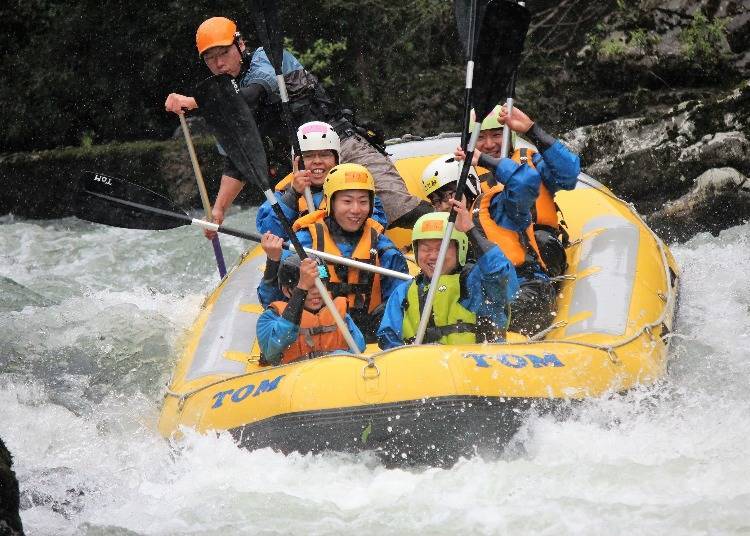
(215,32)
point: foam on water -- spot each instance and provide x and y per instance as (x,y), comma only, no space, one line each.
(82,379)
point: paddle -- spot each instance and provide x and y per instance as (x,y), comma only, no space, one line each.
(268,27)
(468,12)
(493,34)
(220,264)
(118,203)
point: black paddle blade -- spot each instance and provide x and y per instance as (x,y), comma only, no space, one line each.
(268,26)
(469,23)
(498,53)
(110,201)
(233,124)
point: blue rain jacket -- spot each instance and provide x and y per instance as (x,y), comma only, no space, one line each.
(276,333)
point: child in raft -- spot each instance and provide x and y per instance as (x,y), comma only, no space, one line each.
(302,327)
(472,299)
(321,147)
(346,228)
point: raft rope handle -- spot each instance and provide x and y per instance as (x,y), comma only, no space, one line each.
(609,350)
(548,329)
(370,364)
(646,329)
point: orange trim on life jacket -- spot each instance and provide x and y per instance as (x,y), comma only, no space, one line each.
(510,242)
(318,333)
(301,202)
(362,288)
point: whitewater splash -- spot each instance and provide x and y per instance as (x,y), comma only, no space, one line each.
(93,325)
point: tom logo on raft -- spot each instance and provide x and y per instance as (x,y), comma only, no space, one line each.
(515,361)
(103,179)
(238,395)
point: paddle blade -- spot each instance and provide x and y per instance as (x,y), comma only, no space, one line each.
(111,201)
(498,53)
(268,27)
(233,124)
(468,23)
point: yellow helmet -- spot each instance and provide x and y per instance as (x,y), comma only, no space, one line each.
(432,226)
(215,32)
(348,177)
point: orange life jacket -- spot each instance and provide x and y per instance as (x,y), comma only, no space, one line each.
(301,202)
(318,332)
(545,209)
(361,287)
(520,248)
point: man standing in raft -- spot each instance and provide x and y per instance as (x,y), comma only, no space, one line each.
(302,327)
(471,300)
(320,146)
(504,213)
(223,50)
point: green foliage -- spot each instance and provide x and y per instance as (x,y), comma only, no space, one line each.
(320,58)
(642,40)
(612,49)
(100,71)
(702,41)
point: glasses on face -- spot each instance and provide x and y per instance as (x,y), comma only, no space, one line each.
(213,55)
(441,196)
(321,155)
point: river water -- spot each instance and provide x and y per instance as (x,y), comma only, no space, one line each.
(91,324)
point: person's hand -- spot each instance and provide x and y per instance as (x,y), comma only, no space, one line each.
(464,223)
(517,121)
(178,104)
(308,272)
(217,216)
(460,155)
(272,245)
(302,179)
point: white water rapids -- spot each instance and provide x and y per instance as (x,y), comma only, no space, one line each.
(91,320)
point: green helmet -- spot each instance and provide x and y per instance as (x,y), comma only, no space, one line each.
(489,122)
(433,225)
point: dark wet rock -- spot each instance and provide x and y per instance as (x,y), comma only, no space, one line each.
(657,158)
(10,520)
(668,44)
(719,199)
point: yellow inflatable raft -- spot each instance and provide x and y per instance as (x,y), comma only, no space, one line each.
(428,403)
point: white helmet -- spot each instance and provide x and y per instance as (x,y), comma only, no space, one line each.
(445,170)
(318,136)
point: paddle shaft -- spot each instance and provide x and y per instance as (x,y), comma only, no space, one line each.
(343,328)
(424,319)
(505,147)
(277,61)
(254,237)
(218,254)
(469,74)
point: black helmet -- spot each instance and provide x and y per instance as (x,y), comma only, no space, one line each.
(288,275)
(553,252)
